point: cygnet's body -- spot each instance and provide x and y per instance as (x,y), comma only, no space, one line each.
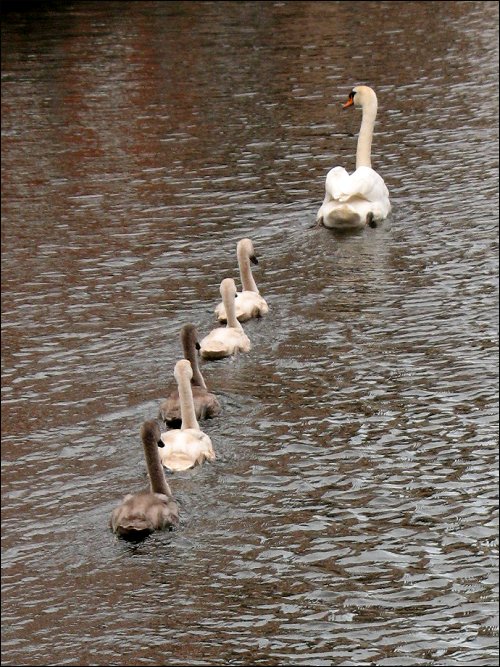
(231,339)
(206,404)
(142,513)
(188,446)
(249,302)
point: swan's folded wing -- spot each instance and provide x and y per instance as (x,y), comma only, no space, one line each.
(185,448)
(336,181)
(206,446)
(250,304)
(220,312)
(364,183)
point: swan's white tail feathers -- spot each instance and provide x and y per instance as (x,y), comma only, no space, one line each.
(217,350)
(178,462)
(342,217)
(345,214)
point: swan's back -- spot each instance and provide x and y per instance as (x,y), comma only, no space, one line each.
(143,513)
(224,342)
(184,448)
(206,406)
(248,306)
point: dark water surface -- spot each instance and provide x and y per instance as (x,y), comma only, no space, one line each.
(351,515)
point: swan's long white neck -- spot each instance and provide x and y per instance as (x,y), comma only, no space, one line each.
(190,353)
(364,149)
(228,300)
(188,414)
(247,279)
(157,480)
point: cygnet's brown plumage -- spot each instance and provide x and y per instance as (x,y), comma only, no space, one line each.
(206,404)
(142,513)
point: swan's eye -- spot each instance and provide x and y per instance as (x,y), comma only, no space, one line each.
(161,443)
(351,94)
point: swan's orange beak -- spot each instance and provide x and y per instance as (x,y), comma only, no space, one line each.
(349,103)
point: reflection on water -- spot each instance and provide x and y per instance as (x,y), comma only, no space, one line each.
(351,515)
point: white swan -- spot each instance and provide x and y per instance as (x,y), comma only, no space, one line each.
(185,447)
(206,404)
(228,340)
(142,513)
(361,198)
(249,303)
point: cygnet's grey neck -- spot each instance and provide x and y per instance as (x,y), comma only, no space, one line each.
(150,437)
(189,340)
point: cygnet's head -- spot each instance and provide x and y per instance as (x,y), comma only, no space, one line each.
(150,432)
(228,286)
(183,369)
(189,337)
(245,248)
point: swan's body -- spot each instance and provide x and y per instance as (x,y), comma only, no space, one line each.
(147,511)
(249,302)
(206,404)
(355,200)
(228,340)
(186,447)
